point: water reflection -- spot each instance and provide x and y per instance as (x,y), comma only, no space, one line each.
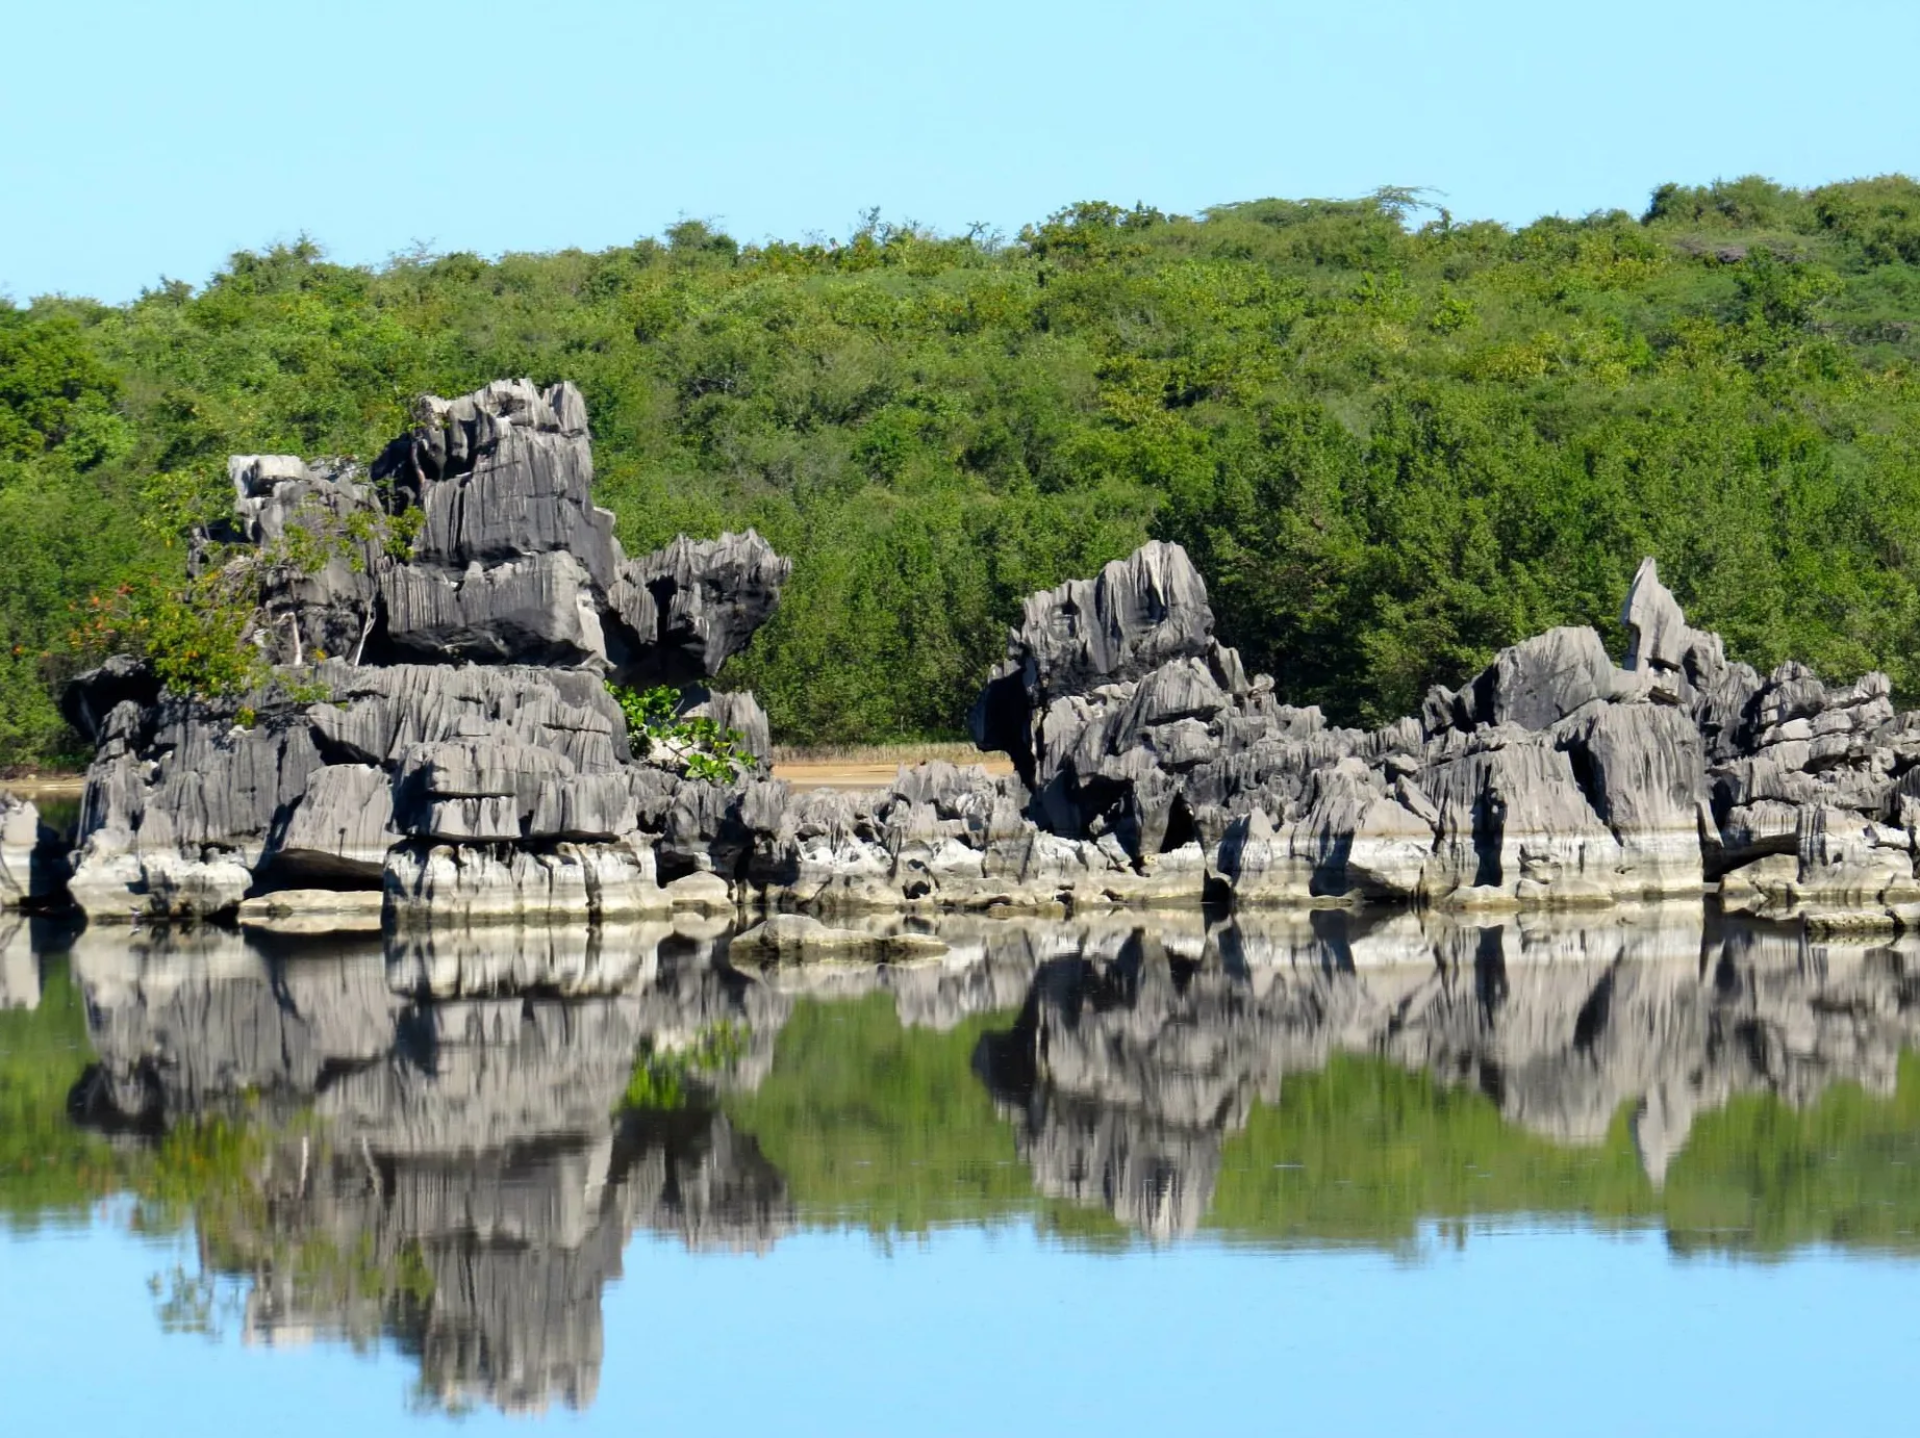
(447,1140)
(19,972)
(1129,1066)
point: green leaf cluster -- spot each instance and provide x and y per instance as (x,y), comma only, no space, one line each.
(698,745)
(1394,441)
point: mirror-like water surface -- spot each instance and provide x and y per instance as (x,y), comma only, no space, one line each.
(1398,1175)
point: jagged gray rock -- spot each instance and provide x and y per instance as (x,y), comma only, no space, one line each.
(1658,636)
(474,763)
(502,474)
(1554,778)
(686,609)
(90,698)
(481,882)
(739,712)
(1535,684)
(1141,612)
(537,610)
(341,827)
(475,766)
(318,594)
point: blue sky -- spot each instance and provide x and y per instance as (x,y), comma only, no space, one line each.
(144,139)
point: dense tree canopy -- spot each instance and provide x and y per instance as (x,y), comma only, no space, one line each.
(1393,441)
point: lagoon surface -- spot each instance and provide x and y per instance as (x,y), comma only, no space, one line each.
(1650,1173)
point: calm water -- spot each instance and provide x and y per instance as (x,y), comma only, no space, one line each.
(1149,1175)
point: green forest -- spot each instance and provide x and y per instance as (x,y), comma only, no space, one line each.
(1394,441)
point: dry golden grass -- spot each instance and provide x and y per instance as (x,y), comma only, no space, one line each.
(871,766)
(45,786)
(909,754)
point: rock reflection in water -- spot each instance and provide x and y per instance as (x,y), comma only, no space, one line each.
(462,1175)
(437,1149)
(468,1186)
(1131,1062)
(19,970)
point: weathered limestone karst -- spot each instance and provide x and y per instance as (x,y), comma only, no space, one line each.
(1553,779)
(470,600)
(466,755)
(325,605)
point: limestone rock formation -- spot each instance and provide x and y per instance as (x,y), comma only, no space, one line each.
(322,602)
(470,601)
(688,608)
(1140,613)
(1552,779)
(1549,778)
(459,607)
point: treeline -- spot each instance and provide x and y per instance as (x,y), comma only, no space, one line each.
(1393,441)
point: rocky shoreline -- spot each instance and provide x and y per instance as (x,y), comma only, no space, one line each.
(468,762)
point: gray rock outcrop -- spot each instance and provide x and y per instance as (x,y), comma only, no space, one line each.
(689,607)
(1553,779)
(317,528)
(459,607)
(462,604)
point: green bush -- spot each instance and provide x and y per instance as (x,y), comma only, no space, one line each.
(696,747)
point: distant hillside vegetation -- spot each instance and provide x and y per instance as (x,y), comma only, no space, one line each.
(1393,441)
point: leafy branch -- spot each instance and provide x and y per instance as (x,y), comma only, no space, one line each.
(697,747)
